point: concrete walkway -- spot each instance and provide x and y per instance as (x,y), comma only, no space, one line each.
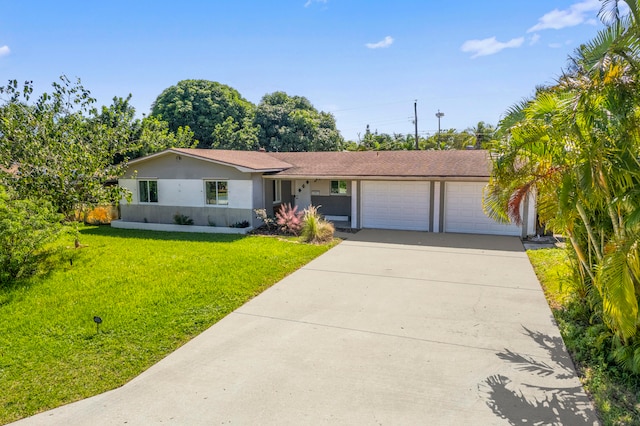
(387,328)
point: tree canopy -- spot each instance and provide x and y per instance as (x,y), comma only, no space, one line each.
(61,148)
(216,113)
(446,139)
(58,147)
(291,123)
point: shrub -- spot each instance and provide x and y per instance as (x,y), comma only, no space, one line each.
(269,222)
(315,229)
(289,219)
(181,219)
(26,227)
(242,224)
(100,215)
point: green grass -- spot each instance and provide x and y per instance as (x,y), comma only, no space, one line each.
(615,392)
(554,272)
(154,291)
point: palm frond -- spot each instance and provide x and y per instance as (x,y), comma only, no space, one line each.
(616,285)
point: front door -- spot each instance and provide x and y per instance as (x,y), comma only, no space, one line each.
(302,194)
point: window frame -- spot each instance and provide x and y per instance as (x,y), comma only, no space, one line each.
(218,202)
(346,188)
(147,191)
(277,191)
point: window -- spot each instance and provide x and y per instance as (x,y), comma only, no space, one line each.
(277,191)
(148,191)
(338,187)
(217,192)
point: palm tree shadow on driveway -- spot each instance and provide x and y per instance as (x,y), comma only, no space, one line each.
(536,404)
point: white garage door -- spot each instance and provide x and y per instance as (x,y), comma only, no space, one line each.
(395,205)
(463,211)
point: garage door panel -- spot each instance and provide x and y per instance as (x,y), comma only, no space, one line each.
(463,211)
(395,205)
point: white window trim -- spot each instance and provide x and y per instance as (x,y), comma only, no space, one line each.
(217,204)
(277,191)
(346,193)
(140,180)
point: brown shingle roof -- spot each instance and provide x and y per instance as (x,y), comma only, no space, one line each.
(399,164)
(452,163)
(253,160)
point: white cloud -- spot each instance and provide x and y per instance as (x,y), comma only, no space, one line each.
(489,46)
(386,42)
(559,45)
(4,50)
(576,14)
(534,39)
(310,2)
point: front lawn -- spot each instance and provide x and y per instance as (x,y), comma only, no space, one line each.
(153,291)
(615,392)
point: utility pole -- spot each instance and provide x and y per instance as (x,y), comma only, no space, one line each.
(439,115)
(415,121)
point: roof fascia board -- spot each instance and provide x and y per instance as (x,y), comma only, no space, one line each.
(339,177)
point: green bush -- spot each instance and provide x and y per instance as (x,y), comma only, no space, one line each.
(241,224)
(26,227)
(181,219)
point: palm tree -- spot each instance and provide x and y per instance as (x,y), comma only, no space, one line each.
(576,146)
(483,132)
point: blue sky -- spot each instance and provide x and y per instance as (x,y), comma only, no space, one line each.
(364,61)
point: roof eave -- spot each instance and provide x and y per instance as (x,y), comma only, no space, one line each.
(282,176)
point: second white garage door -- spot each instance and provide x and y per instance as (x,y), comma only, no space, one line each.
(463,211)
(395,205)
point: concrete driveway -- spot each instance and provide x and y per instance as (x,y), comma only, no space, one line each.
(387,328)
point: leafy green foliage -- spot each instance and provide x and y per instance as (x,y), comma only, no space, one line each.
(240,224)
(233,135)
(217,114)
(60,150)
(291,124)
(446,139)
(142,137)
(154,292)
(26,227)
(181,219)
(576,146)
(155,136)
(593,348)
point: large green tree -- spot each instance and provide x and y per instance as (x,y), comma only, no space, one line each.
(142,136)
(56,148)
(576,146)
(217,114)
(291,124)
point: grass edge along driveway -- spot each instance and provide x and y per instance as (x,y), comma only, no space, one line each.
(154,291)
